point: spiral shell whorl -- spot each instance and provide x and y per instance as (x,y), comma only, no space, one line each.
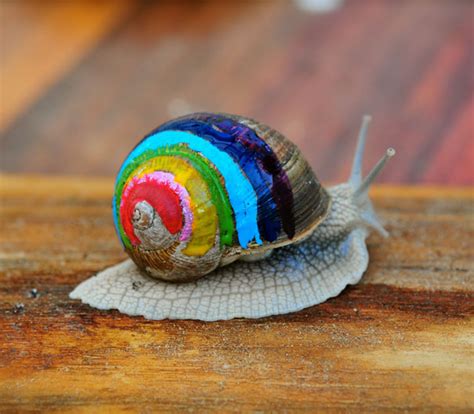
(205,187)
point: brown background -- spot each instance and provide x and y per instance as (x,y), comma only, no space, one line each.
(81,82)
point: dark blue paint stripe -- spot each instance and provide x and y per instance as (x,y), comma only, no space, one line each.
(256,159)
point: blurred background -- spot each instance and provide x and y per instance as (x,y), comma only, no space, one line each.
(83,81)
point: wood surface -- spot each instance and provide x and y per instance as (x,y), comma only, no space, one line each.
(402,340)
(82,81)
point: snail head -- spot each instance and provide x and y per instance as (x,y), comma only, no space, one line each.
(351,205)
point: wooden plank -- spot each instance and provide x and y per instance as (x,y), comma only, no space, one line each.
(310,75)
(41,42)
(401,340)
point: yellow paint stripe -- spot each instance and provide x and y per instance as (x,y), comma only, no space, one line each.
(205,218)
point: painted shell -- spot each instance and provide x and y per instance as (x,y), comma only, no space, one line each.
(206,189)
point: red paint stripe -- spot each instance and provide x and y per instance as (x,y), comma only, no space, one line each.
(161,197)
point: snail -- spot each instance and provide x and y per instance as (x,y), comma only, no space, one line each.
(222,217)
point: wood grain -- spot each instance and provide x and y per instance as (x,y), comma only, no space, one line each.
(402,340)
(83,82)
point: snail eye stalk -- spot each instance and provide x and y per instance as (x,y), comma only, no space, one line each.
(356,173)
(372,175)
(362,185)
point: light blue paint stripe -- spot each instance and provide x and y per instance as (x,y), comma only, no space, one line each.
(242,196)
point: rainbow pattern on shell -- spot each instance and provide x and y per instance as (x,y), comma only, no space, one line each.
(206,175)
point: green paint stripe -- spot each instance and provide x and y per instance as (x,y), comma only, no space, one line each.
(206,170)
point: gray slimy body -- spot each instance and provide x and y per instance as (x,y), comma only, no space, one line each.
(294,277)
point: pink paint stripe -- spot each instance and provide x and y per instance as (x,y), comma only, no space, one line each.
(168,179)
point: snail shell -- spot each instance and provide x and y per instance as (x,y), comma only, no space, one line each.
(206,189)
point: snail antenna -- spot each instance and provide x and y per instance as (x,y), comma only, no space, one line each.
(365,184)
(356,173)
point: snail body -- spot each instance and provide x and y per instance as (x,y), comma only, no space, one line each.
(205,190)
